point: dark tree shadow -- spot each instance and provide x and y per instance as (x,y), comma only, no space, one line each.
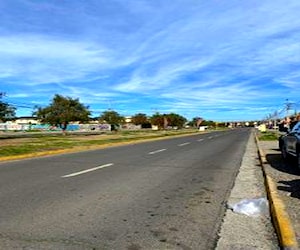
(287,166)
(292,187)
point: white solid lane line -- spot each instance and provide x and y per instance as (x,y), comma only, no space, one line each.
(87,170)
(183,144)
(200,140)
(157,151)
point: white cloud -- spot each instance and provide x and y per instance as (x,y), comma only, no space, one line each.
(214,55)
(42,59)
(19,95)
(291,80)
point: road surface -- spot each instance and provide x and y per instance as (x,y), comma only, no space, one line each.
(165,194)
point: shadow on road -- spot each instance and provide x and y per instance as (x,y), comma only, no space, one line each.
(276,161)
(293,187)
(290,186)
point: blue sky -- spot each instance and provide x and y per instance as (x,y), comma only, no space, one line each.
(221,60)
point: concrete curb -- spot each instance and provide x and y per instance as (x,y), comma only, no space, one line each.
(281,220)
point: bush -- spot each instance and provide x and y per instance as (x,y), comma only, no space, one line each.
(268,136)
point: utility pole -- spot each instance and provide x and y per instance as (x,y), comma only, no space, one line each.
(275,119)
(287,107)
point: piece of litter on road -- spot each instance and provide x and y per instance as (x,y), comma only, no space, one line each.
(251,207)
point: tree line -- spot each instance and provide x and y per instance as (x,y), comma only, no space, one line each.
(63,110)
(7,111)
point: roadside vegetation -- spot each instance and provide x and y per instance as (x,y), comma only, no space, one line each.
(63,111)
(268,136)
(40,143)
(7,111)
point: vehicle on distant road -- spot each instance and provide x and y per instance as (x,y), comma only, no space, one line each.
(289,144)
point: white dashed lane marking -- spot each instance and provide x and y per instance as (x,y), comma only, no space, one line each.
(87,170)
(157,151)
(183,144)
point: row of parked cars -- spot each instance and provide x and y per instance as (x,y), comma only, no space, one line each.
(289,143)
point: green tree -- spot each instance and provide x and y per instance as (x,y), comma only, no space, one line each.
(196,122)
(158,120)
(111,117)
(221,124)
(208,123)
(176,120)
(140,119)
(63,110)
(7,111)
(164,120)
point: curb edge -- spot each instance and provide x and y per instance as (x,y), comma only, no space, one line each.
(280,217)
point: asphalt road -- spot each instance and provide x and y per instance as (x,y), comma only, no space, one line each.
(166,194)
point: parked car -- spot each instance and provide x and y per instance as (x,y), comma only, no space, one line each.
(289,144)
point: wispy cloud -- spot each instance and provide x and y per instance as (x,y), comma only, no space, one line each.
(208,57)
(291,80)
(41,59)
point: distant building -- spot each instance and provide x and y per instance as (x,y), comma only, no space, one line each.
(203,128)
(24,120)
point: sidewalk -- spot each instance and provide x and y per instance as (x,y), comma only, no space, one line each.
(242,232)
(287,182)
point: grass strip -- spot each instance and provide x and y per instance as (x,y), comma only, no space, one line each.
(268,136)
(51,143)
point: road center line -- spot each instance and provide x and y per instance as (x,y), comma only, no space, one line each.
(87,170)
(183,144)
(157,151)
